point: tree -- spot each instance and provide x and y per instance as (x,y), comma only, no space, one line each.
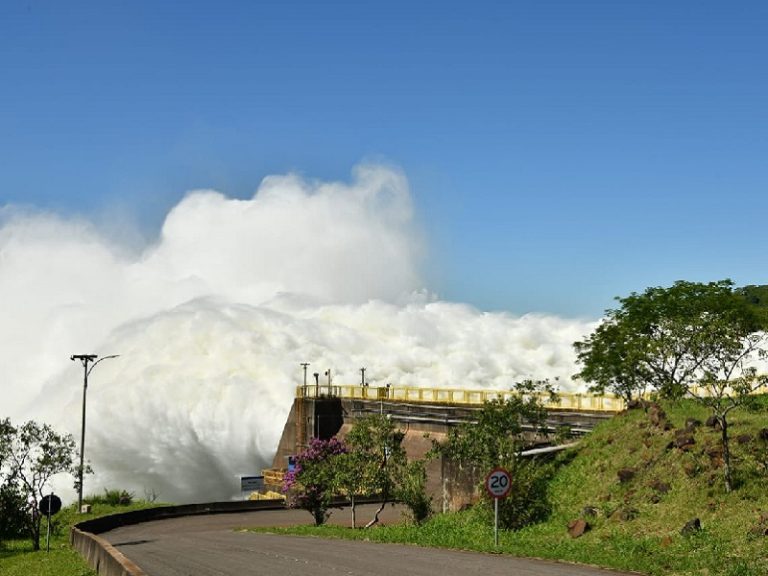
(498,435)
(12,503)
(374,461)
(311,484)
(690,339)
(34,454)
(612,361)
(411,490)
(504,427)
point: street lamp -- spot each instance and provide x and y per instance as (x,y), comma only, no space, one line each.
(85,359)
(304,365)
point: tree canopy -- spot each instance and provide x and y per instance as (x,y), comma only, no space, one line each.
(690,339)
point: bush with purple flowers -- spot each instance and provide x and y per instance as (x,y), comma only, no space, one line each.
(310,485)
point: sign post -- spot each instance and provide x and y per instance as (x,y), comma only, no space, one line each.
(498,484)
(49,505)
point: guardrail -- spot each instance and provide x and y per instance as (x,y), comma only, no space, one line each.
(458,396)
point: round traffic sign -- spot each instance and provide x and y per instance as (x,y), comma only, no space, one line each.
(498,483)
(50,504)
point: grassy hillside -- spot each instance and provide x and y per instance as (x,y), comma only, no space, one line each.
(635,524)
(643,515)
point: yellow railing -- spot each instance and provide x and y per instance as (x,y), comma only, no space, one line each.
(273,476)
(466,397)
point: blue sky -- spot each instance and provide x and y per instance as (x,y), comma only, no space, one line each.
(560,153)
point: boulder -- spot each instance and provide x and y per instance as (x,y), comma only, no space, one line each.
(578,527)
(626,474)
(691,424)
(743,439)
(590,512)
(628,513)
(684,440)
(660,487)
(657,416)
(691,527)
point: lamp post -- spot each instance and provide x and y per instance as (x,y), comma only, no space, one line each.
(85,359)
(304,365)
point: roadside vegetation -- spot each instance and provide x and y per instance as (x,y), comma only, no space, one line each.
(19,558)
(674,486)
(636,481)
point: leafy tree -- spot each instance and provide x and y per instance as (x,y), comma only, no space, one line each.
(373,463)
(7,433)
(498,435)
(411,490)
(612,361)
(757,297)
(12,503)
(690,339)
(503,429)
(34,454)
(13,512)
(312,483)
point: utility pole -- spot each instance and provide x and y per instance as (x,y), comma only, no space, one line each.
(85,359)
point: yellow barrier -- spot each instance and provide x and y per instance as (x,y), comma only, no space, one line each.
(466,397)
(273,476)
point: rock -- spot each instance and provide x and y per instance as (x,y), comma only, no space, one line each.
(657,416)
(743,439)
(576,528)
(691,527)
(713,422)
(628,514)
(714,451)
(691,424)
(590,512)
(684,440)
(763,434)
(660,487)
(626,474)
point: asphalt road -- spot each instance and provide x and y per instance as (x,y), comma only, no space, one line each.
(210,546)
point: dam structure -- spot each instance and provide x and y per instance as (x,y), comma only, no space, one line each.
(424,415)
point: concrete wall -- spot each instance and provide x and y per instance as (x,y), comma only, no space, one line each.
(102,556)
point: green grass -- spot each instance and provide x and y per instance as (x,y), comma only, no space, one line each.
(651,542)
(17,558)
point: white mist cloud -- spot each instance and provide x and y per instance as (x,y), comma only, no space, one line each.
(212,321)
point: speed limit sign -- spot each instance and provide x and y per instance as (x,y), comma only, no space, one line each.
(498,483)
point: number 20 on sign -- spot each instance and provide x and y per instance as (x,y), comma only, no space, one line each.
(497,483)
